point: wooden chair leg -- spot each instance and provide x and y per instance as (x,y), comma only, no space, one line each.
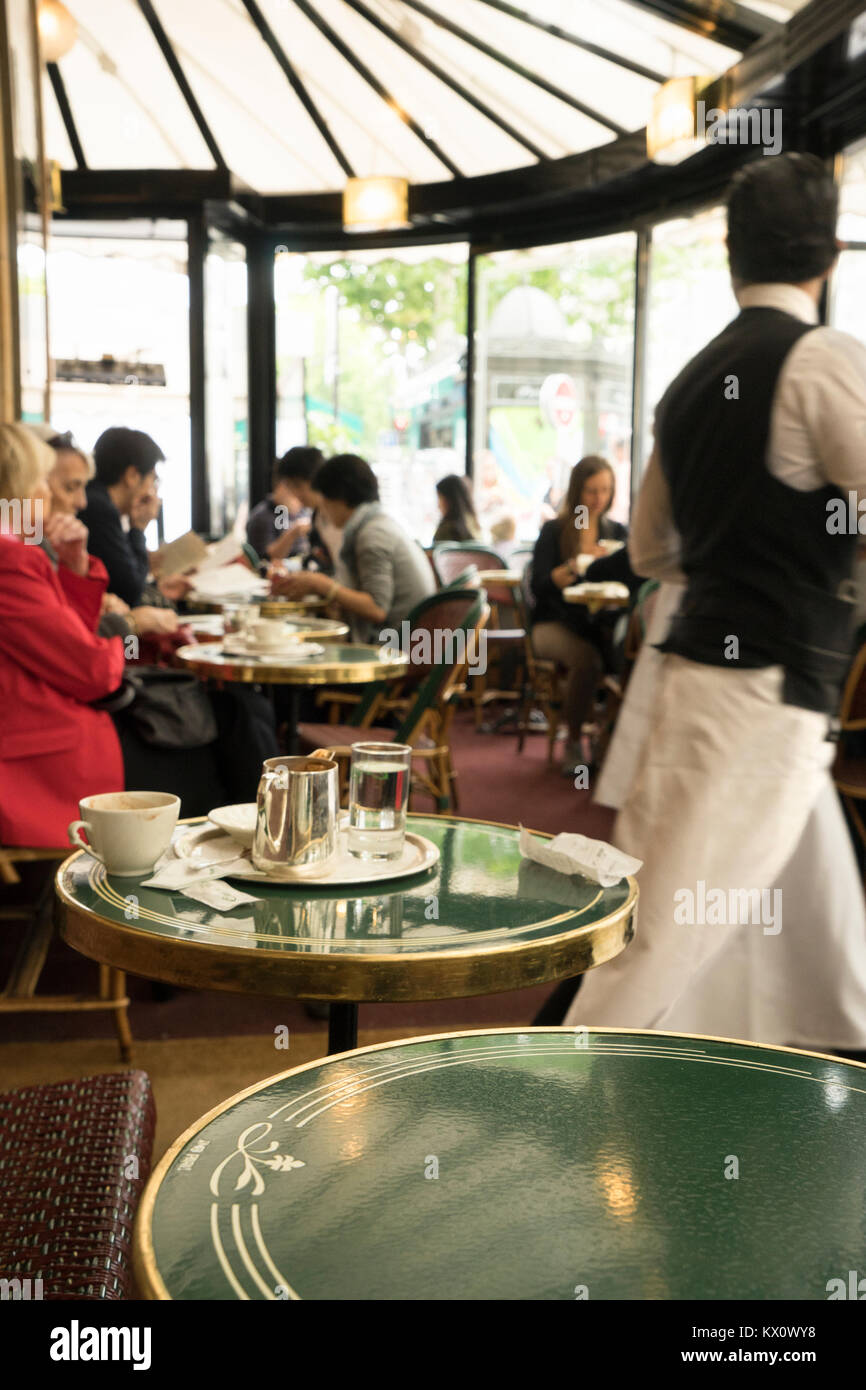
(121,1014)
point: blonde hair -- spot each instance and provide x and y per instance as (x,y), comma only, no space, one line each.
(24,462)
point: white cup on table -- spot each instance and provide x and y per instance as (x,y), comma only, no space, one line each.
(126,831)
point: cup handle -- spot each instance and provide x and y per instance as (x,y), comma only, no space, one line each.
(74,832)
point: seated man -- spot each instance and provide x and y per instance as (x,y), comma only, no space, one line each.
(125,462)
(381,573)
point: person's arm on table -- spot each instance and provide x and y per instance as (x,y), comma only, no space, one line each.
(295,586)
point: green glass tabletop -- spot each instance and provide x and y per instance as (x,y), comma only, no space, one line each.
(544,1164)
(480,919)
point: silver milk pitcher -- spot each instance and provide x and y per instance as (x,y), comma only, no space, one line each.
(297,815)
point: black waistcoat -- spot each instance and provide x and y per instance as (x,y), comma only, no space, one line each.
(761,563)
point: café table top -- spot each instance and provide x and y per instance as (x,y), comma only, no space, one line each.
(270,604)
(275,606)
(304,628)
(479,921)
(579,593)
(341,664)
(513,578)
(509,1164)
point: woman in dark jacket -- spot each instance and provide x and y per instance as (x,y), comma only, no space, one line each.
(566,632)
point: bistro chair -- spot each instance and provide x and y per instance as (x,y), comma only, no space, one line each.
(451,558)
(19,992)
(849,768)
(504,634)
(74,1158)
(424,700)
(542,678)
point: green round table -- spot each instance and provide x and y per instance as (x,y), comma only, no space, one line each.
(480,921)
(544,1164)
(341,663)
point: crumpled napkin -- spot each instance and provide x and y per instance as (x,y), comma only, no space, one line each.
(578,854)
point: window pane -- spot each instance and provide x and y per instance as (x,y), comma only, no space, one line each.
(226,388)
(555,328)
(126,299)
(371,360)
(690,299)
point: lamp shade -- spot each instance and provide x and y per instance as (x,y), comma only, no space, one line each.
(376,205)
(671,133)
(57,30)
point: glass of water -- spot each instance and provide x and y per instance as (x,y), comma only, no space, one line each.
(378,797)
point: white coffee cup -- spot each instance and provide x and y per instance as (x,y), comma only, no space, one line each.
(127,831)
(268,632)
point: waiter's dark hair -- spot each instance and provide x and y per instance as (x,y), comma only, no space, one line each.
(120,448)
(782,213)
(347,478)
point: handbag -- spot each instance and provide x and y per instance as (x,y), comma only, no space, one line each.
(168,709)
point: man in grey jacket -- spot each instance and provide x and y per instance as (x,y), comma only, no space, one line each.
(382,573)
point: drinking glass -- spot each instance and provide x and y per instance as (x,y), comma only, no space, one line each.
(378,797)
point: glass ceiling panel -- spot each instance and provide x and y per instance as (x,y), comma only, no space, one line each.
(130,112)
(263,131)
(127,107)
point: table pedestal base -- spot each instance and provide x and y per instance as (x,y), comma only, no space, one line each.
(342,1028)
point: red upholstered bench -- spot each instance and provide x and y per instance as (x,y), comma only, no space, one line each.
(69,1187)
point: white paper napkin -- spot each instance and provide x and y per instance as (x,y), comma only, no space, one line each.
(578,854)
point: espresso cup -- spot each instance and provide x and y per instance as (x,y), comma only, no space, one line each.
(268,632)
(126,831)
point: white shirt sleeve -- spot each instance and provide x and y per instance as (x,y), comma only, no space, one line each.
(654,544)
(818,432)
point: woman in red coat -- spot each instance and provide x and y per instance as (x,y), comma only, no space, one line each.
(54,748)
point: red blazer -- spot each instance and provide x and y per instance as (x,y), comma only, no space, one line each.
(54,749)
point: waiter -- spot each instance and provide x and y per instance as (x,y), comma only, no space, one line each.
(756,439)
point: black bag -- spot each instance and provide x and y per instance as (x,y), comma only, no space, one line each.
(170,709)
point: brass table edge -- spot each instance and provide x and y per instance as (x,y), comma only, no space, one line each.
(319,672)
(144,1260)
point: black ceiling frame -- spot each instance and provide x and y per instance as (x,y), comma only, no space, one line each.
(297,85)
(609,188)
(167,50)
(444,76)
(61,96)
(730,24)
(377,86)
(598,51)
(518,69)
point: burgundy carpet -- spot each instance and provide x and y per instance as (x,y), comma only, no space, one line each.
(495,783)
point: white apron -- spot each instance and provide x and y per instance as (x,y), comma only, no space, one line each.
(726,755)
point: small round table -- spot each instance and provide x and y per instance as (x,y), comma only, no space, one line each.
(480,921)
(303,628)
(341,664)
(518,1165)
(593,600)
(276,607)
